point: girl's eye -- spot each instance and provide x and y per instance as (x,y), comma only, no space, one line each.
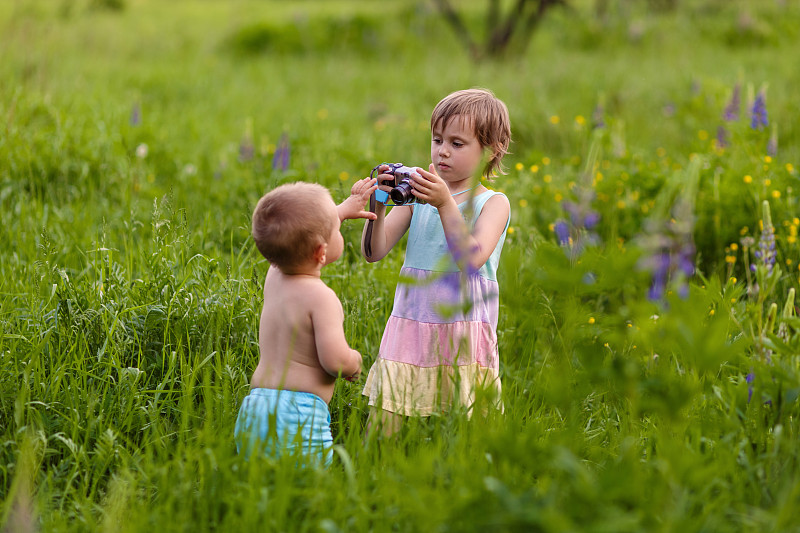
(457,143)
(437,141)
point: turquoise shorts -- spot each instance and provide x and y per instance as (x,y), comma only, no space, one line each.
(278,422)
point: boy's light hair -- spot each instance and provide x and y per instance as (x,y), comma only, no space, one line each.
(290,221)
(489,116)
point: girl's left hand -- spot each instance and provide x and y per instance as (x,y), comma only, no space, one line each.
(431,188)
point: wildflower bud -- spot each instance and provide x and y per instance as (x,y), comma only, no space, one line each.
(280,160)
(732,109)
(758,113)
(562,232)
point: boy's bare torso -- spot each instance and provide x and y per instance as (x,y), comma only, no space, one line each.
(289,357)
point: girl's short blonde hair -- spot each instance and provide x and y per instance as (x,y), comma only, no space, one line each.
(290,221)
(489,116)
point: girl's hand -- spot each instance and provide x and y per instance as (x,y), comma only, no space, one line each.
(383,177)
(353,206)
(431,188)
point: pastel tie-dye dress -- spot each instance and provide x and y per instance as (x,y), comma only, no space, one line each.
(439,347)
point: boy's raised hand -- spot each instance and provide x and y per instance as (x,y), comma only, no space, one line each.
(353,206)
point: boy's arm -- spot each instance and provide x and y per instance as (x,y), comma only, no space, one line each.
(335,355)
(353,206)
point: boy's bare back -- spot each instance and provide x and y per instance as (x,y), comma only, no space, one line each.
(301,334)
(301,337)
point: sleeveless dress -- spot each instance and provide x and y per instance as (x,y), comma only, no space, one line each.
(439,348)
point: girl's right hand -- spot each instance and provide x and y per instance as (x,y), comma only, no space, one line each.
(383,177)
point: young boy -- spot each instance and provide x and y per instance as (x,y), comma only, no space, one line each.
(301,338)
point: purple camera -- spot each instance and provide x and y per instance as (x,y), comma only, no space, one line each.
(401,193)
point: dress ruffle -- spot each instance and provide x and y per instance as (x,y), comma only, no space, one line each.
(411,390)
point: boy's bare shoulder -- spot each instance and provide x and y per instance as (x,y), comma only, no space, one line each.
(299,289)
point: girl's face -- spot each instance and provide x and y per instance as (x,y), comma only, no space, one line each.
(455,150)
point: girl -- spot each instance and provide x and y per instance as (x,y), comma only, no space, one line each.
(440,343)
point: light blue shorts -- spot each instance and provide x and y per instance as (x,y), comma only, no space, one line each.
(277,422)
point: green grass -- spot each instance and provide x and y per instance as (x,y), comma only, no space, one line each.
(131,291)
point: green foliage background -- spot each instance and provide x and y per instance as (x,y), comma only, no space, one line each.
(131,292)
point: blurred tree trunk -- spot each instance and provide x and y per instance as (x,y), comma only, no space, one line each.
(516,26)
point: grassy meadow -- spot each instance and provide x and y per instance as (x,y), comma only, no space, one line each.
(649,343)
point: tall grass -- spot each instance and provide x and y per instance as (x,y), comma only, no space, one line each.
(131,291)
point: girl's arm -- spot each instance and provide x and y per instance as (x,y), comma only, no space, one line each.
(469,250)
(387,230)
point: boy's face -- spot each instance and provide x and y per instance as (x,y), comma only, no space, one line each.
(335,241)
(455,150)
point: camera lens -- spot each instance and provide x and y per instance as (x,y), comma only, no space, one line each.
(402,193)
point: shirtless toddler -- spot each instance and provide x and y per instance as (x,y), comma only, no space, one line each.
(296,227)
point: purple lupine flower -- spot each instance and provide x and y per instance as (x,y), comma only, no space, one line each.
(758,113)
(722,137)
(731,112)
(575,233)
(660,276)
(280,161)
(751,377)
(136,115)
(685,260)
(581,215)
(591,219)
(574,212)
(671,253)
(766,254)
(772,144)
(458,254)
(561,230)
(669,109)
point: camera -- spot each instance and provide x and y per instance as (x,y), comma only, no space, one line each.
(401,193)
